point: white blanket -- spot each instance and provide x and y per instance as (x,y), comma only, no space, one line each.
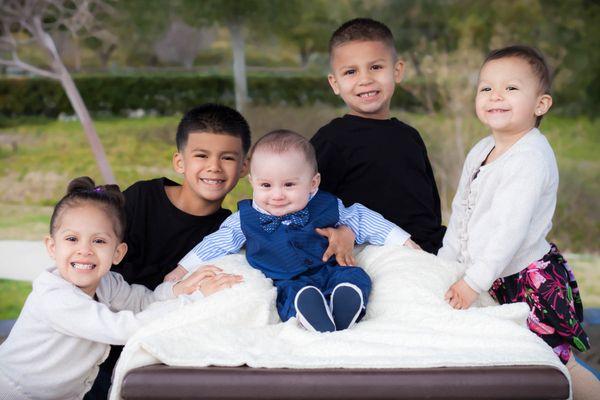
(408,325)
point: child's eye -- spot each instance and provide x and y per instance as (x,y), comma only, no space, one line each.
(265,185)
(99,241)
(289,184)
(71,238)
(377,66)
(485,89)
(511,88)
(200,155)
(229,158)
(349,72)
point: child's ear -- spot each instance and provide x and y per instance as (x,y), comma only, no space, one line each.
(178,164)
(245,168)
(316,181)
(50,246)
(120,252)
(333,83)
(544,104)
(398,71)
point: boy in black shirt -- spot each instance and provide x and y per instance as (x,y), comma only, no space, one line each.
(367,157)
(165,220)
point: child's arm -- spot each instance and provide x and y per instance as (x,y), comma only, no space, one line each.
(370,226)
(74,313)
(524,176)
(228,239)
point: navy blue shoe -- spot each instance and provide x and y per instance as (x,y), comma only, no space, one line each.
(346,305)
(312,310)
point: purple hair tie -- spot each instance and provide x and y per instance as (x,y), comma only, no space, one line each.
(98,189)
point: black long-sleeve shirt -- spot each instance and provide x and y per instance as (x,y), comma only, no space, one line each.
(158,234)
(383,165)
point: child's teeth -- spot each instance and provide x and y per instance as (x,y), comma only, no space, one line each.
(369,94)
(82,266)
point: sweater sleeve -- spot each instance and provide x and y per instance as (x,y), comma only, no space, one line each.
(74,313)
(369,226)
(524,175)
(228,239)
(123,296)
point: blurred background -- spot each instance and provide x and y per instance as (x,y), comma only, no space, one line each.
(97,88)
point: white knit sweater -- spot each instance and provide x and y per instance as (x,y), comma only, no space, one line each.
(62,334)
(500,219)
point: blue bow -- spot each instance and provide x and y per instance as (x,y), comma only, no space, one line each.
(271,222)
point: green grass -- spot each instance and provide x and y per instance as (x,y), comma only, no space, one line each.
(12,297)
(38,158)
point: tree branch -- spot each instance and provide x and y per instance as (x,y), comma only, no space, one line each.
(30,68)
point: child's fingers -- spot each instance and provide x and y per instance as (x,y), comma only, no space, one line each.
(329,251)
(448,294)
(350,259)
(324,232)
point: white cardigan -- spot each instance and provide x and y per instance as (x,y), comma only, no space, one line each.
(500,220)
(62,334)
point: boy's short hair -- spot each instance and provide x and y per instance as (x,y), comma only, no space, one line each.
(362,29)
(213,118)
(534,58)
(283,140)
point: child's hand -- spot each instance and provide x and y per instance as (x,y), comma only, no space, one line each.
(460,295)
(175,275)
(208,280)
(341,243)
(409,243)
(219,282)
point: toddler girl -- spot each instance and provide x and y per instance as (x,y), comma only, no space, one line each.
(74,311)
(504,205)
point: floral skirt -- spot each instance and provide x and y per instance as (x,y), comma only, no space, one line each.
(548,286)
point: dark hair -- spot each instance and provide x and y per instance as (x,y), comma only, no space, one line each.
(83,190)
(213,118)
(362,29)
(534,58)
(282,140)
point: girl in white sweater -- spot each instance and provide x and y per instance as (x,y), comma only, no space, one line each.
(504,206)
(78,307)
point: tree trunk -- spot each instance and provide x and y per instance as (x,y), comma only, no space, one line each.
(76,101)
(88,127)
(236,30)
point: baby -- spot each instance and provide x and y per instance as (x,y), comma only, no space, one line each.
(278,228)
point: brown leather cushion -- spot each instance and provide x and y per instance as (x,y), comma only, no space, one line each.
(222,383)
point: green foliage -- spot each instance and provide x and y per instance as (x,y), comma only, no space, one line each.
(12,297)
(166,95)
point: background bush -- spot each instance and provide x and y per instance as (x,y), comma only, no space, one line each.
(166,95)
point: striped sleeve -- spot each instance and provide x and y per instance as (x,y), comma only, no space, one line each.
(228,239)
(370,226)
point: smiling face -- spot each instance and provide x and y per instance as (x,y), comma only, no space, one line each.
(282,182)
(364,74)
(211,165)
(509,98)
(85,246)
